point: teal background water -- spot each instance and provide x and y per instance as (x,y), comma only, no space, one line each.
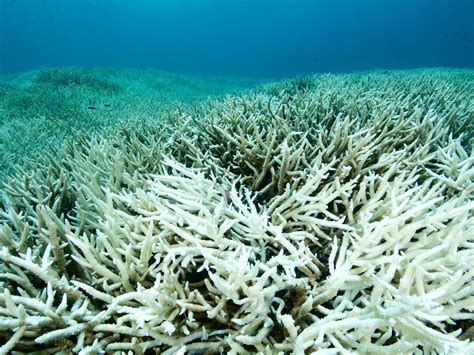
(251,38)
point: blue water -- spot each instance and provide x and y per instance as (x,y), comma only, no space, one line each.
(252,38)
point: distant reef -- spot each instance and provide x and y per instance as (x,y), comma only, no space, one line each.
(326,213)
(41,108)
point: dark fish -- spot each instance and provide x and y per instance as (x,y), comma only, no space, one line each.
(317,58)
(107,105)
(92,108)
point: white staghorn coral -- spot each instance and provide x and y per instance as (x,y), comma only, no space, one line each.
(336,216)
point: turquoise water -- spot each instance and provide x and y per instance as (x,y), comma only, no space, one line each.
(237,37)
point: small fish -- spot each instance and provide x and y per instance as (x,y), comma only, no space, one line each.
(107,105)
(317,58)
(92,108)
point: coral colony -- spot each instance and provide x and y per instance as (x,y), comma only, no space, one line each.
(326,214)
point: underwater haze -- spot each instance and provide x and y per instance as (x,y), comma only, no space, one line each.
(237,37)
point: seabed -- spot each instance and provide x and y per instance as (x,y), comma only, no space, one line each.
(147,212)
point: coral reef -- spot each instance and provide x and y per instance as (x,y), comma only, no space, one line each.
(329,213)
(44,107)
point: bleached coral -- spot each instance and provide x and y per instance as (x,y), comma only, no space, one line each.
(335,216)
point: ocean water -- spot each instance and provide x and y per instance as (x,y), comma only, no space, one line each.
(236,177)
(237,37)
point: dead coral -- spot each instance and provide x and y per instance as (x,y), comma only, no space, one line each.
(336,215)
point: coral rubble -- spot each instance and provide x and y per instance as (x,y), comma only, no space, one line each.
(328,213)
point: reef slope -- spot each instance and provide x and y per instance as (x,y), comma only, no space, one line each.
(329,212)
